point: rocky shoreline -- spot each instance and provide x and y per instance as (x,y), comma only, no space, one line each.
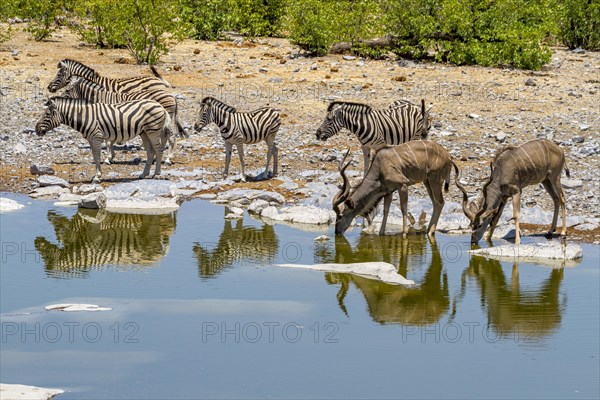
(475,112)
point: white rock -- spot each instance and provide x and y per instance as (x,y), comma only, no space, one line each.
(474,116)
(8,205)
(69,307)
(147,196)
(250,194)
(257,206)
(51,180)
(571,183)
(25,392)
(207,196)
(269,212)
(589,226)
(534,251)
(20,148)
(234,216)
(501,137)
(237,210)
(89,188)
(49,192)
(322,238)
(93,201)
(304,215)
(381,271)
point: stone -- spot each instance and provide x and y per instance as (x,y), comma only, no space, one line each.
(322,238)
(571,183)
(530,82)
(588,226)
(578,139)
(263,70)
(20,149)
(93,201)
(380,271)
(89,188)
(474,116)
(501,137)
(25,392)
(584,127)
(303,215)
(534,251)
(40,170)
(147,196)
(48,192)
(250,194)
(8,205)
(313,67)
(69,307)
(257,206)
(269,212)
(50,180)
(349,58)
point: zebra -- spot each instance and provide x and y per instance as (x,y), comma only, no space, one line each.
(239,128)
(400,123)
(96,239)
(70,68)
(81,88)
(115,122)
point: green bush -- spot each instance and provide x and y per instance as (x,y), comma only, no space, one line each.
(510,32)
(208,18)
(5,30)
(257,17)
(43,15)
(97,23)
(579,24)
(310,25)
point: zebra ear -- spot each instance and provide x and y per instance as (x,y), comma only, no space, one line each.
(50,104)
(61,64)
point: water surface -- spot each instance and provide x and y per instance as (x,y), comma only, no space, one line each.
(200,311)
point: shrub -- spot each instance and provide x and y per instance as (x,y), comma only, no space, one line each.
(97,23)
(208,18)
(579,24)
(310,26)
(256,17)
(483,32)
(43,15)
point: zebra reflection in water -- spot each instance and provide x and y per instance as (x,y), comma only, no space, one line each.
(98,239)
(422,304)
(237,244)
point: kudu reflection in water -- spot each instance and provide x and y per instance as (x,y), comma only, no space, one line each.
(422,304)
(96,239)
(237,244)
(512,310)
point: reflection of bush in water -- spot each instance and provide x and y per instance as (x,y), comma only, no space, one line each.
(237,244)
(93,239)
(511,310)
(392,304)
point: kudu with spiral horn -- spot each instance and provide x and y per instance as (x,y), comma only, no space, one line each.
(394,168)
(513,168)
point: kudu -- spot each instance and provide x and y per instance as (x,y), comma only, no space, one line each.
(513,168)
(395,168)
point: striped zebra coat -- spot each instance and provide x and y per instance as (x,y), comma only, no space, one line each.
(81,88)
(70,68)
(400,123)
(114,122)
(239,128)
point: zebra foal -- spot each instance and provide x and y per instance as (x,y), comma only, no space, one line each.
(239,128)
(114,122)
(67,69)
(81,88)
(400,123)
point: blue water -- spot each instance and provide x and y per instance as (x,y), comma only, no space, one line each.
(200,311)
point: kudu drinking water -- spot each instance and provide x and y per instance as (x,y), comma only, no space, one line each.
(513,168)
(395,168)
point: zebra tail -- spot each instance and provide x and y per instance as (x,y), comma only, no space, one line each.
(180,131)
(167,128)
(159,76)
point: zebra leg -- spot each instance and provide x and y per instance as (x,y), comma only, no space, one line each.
(240,149)
(366,152)
(158,146)
(172,144)
(110,152)
(96,145)
(275,153)
(228,148)
(269,145)
(149,155)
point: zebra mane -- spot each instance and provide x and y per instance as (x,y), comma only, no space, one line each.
(365,108)
(73,64)
(218,103)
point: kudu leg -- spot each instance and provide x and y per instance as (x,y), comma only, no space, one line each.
(403,193)
(437,199)
(516,200)
(387,202)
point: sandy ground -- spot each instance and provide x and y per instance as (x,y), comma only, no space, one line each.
(471,107)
